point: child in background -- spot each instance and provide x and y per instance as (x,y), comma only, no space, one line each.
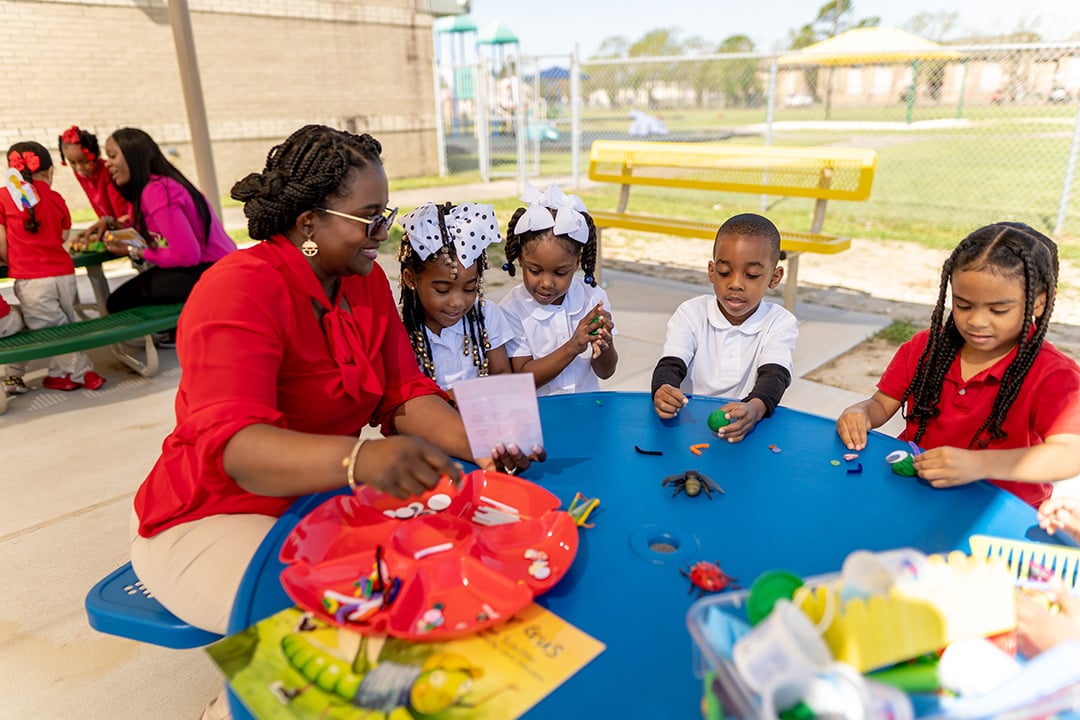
(562,326)
(730,343)
(454,333)
(80,150)
(982,388)
(11,322)
(32,236)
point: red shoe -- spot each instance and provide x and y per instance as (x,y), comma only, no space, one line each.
(64,382)
(92,381)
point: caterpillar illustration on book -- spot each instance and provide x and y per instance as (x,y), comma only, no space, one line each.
(417,682)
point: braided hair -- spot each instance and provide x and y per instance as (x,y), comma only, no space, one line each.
(476,342)
(87,141)
(29,158)
(1006,249)
(516,242)
(300,173)
(144,158)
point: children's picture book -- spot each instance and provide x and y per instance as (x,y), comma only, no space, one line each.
(293,665)
(499,409)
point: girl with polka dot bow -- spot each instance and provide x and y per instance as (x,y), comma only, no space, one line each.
(562,327)
(454,333)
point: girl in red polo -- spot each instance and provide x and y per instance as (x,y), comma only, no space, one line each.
(34,224)
(80,150)
(982,388)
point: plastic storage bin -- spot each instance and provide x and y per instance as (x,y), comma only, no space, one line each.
(716,622)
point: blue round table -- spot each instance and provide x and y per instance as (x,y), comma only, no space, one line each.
(786,507)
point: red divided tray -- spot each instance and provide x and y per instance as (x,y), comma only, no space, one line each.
(448,567)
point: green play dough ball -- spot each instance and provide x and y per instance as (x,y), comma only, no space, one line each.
(717,420)
(901,463)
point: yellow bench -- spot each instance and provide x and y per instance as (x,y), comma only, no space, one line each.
(821,173)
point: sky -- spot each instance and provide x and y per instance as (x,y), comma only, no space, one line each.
(552,27)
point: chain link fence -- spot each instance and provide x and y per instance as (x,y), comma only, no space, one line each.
(965,135)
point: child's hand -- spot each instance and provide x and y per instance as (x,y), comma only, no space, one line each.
(668,401)
(742,417)
(1061,512)
(1038,628)
(949,466)
(591,327)
(852,427)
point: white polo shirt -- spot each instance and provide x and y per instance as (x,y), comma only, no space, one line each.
(540,330)
(722,359)
(448,348)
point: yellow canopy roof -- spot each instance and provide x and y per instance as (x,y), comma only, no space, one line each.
(868,46)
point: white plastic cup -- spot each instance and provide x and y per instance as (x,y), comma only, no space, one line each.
(867,573)
(781,655)
(842,692)
(975,666)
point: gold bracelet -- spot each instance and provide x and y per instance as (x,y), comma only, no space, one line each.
(349,463)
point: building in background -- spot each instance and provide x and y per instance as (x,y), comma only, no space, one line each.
(267,67)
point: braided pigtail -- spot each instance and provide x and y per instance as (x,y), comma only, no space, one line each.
(588,252)
(941,348)
(512,245)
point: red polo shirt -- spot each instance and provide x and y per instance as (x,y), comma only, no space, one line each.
(253,351)
(39,254)
(104,197)
(1048,404)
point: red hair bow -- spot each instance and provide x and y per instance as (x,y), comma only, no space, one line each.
(26,160)
(72,136)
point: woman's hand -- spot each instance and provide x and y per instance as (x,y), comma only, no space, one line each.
(510,459)
(403,466)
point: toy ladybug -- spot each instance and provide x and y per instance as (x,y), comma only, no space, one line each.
(708,577)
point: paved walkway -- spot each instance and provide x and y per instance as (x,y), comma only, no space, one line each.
(72,462)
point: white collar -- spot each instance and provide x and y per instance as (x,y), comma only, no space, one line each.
(572,304)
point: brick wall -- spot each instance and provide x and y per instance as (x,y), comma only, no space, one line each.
(267,67)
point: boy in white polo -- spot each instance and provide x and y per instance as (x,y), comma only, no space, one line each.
(731,344)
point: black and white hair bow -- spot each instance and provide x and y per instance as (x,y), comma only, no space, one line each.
(471,227)
(568,209)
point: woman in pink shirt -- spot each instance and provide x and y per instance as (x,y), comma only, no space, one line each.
(183,235)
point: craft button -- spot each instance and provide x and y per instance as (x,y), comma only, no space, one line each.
(439,502)
(405,512)
(389,513)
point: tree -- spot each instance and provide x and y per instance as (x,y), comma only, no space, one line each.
(703,75)
(739,77)
(659,42)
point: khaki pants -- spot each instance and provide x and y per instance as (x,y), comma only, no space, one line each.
(194,569)
(49,302)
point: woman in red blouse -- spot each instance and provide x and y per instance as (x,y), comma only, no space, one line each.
(289,349)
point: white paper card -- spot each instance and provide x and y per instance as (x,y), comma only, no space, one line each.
(499,409)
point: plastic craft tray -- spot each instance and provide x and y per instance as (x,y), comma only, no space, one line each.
(455,573)
(716,621)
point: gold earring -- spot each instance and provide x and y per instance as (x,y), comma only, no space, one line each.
(309,247)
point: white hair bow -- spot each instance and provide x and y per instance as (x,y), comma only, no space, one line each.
(568,209)
(471,227)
